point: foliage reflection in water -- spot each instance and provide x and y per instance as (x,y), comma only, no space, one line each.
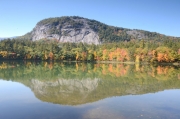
(96,90)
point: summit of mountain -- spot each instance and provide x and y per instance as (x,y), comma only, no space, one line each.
(77,29)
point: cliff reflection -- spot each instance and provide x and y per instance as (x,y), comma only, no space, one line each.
(79,83)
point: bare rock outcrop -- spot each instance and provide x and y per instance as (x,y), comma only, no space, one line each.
(74,31)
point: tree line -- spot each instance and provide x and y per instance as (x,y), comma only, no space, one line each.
(133,51)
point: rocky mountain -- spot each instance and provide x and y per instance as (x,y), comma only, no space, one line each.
(78,29)
(64,29)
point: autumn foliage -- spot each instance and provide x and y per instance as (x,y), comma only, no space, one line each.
(133,51)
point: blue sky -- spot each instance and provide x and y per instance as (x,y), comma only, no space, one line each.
(18,17)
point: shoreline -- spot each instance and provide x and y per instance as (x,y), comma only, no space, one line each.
(112,62)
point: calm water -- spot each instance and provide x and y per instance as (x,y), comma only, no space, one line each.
(88,91)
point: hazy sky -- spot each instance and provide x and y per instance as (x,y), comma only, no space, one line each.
(18,17)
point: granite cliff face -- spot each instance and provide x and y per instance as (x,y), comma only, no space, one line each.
(70,29)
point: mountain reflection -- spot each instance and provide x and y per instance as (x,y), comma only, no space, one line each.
(80,83)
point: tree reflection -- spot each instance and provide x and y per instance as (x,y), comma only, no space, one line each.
(73,83)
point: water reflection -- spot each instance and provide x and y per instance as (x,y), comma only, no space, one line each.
(80,83)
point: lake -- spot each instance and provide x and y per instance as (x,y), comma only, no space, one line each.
(69,90)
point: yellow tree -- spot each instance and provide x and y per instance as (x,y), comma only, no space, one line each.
(165,54)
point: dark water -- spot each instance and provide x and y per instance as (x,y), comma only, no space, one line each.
(88,91)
